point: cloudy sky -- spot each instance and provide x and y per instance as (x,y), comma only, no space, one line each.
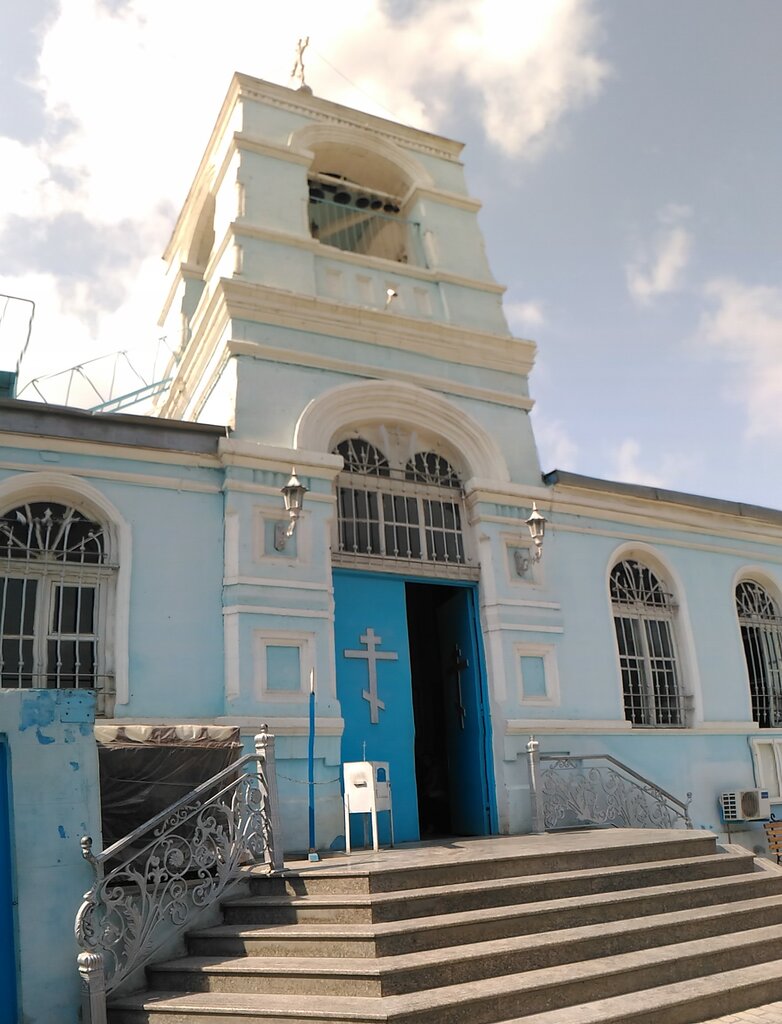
(627,153)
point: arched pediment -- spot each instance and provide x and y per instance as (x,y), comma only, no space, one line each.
(384,159)
(368,402)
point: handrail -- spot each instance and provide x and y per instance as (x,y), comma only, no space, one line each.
(625,768)
(616,795)
(131,837)
(150,884)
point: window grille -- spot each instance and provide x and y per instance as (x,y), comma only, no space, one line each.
(761,636)
(431,468)
(412,514)
(644,622)
(354,219)
(53,596)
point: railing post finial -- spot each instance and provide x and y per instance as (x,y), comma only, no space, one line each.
(536,810)
(93,988)
(86,849)
(264,749)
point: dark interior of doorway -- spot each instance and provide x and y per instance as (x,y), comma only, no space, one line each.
(429,691)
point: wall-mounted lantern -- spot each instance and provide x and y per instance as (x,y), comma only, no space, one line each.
(293,495)
(536,524)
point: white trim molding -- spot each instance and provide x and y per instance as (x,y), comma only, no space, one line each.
(547,653)
(532,726)
(384,401)
(263,639)
(767,762)
(312,136)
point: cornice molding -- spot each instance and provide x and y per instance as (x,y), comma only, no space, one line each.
(391,268)
(232,298)
(243,141)
(450,343)
(640,511)
(266,456)
(575,726)
(104,451)
(255,350)
(446,198)
(335,113)
(163,483)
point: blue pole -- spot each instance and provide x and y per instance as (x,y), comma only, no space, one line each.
(311,768)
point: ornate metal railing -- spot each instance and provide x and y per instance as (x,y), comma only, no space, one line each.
(149,886)
(568,791)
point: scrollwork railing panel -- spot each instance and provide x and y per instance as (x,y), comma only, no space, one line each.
(151,884)
(597,789)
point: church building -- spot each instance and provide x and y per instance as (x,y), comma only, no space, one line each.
(335,320)
(336,310)
(336,324)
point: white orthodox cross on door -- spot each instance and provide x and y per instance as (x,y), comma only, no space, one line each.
(372,656)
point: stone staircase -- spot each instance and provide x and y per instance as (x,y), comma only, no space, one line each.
(641,926)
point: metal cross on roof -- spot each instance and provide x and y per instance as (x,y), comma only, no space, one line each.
(298,64)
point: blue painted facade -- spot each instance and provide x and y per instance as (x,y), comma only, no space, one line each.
(51,785)
(8,1009)
(290,346)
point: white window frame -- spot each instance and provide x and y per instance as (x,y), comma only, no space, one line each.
(547,652)
(50,575)
(773,785)
(263,639)
(387,488)
(767,632)
(642,615)
(61,487)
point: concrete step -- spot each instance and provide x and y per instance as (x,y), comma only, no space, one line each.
(480,1002)
(396,937)
(395,975)
(424,902)
(688,1002)
(479,860)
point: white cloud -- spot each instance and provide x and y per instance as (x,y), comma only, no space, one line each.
(557,448)
(744,326)
(626,466)
(135,116)
(660,268)
(523,315)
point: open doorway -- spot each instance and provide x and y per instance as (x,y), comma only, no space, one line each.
(451,748)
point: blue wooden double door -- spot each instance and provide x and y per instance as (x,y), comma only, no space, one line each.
(412,688)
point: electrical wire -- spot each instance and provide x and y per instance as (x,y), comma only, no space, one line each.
(355,86)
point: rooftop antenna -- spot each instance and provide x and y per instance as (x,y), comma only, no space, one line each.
(298,64)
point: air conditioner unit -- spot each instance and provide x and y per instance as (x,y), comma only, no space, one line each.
(746,805)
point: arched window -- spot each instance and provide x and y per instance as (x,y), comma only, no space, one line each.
(761,635)
(644,612)
(54,590)
(406,510)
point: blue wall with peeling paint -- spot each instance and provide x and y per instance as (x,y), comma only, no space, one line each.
(8,1002)
(54,799)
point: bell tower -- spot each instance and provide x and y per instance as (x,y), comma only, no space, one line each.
(320,245)
(334,308)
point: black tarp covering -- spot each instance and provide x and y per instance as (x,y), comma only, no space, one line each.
(144,771)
